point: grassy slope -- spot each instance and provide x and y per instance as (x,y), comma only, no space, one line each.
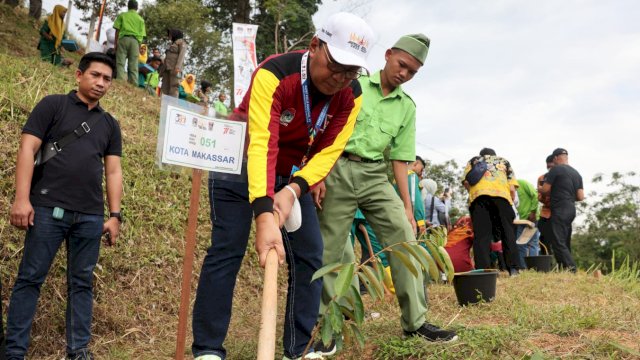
(137,282)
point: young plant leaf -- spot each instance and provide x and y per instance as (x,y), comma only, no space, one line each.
(335,315)
(343,282)
(358,306)
(326,333)
(371,276)
(370,288)
(326,269)
(406,261)
(358,335)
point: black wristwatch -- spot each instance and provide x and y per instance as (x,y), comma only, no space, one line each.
(116,215)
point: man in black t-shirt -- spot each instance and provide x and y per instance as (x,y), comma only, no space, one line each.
(62,199)
(564,185)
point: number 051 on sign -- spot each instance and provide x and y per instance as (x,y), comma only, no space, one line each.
(202,142)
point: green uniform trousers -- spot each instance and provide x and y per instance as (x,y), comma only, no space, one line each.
(352,185)
(127,52)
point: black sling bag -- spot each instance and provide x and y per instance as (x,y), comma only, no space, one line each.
(52,148)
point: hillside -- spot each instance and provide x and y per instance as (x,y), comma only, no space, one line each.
(137,282)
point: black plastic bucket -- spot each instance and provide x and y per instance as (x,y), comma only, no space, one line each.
(475,286)
(540,263)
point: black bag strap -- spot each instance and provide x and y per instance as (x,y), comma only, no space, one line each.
(79,132)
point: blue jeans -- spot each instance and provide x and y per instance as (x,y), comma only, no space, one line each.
(81,233)
(532,248)
(231,215)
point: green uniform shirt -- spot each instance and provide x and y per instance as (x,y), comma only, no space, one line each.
(130,24)
(383,121)
(220,108)
(527,199)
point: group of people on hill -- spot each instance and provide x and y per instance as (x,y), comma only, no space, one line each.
(319,122)
(125,44)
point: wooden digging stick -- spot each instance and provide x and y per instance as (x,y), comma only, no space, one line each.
(269,310)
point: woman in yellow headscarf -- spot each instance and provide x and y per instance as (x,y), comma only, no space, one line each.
(189,83)
(51,35)
(142,58)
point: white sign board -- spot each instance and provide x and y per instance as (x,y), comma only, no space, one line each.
(202,142)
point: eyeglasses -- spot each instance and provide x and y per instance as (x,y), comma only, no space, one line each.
(336,68)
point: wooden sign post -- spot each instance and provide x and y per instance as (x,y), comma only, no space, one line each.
(187,265)
(188,137)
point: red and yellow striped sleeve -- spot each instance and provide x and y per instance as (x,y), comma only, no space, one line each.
(332,144)
(263,139)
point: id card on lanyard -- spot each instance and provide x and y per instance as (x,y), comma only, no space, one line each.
(322,117)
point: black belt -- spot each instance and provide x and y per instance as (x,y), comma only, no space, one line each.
(357,158)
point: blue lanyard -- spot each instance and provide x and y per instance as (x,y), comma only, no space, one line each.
(313,130)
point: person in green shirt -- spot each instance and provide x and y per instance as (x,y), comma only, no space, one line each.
(359,180)
(527,209)
(219,106)
(130,33)
(51,35)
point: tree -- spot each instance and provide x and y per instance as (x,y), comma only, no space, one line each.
(208,55)
(284,25)
(91,11)
(612,222)
(35,8)
(448,175)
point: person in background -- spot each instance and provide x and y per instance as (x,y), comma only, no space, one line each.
(490,207)
(172,66)
(545,210)
(130,33)
(527,209)
(459,244)
(203,93)
(142,57)
(110,47)
(149,77)
(563,185)
(51,36)
(156,52)
(219,106)
(62,201)
(413,180)
(189,84)
(434,207)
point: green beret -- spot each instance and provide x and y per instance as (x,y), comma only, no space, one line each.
(416,45)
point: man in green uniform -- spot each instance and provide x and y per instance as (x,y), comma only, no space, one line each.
(359,180)
(130,32)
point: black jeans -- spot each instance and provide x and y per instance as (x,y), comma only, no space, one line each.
(231,216)
(492,219)
(543,227)
(2,350)
(560,237)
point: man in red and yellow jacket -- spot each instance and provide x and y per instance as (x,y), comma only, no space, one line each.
(301,109)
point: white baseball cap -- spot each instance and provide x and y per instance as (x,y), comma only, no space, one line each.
(349,39)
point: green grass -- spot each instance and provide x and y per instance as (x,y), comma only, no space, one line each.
(535,316)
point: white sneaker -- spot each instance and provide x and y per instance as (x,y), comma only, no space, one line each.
(208,357)
(309,356)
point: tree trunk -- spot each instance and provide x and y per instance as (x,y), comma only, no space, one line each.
(92,25)
(12,2)
(243,12)
(35,8)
